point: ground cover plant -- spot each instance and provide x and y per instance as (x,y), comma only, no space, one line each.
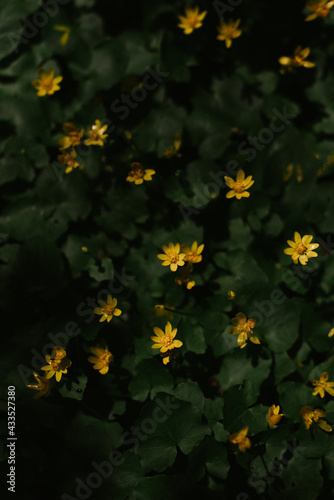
(166,249)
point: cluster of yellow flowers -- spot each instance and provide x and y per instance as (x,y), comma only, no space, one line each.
(312,419)
(95,137)
(229,30)
(173,258)
(193,19)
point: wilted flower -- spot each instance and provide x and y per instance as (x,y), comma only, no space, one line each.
(57,363)
(301,248)
(312,418)
(192,19)
(298,59)
(320,8)
(107,310)
(43,386)
(244,328)
(240,439)
(228,30)
(322,385)
(68,158)
(138,175)
(184,277)
(273,416)
(173,150)
(96,134)
(73,137)
(46,83)
(239,186)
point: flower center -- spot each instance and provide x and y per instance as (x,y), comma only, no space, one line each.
(138,173)
(173,257)
(301,249)
(322,10)
(238,187)
(166,340)
(192,20)
(47,83)
(106,358)
(108,310)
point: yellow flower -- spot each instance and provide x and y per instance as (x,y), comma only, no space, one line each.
(301,248)
(165,340)
(185,276)
(297,60)
(138,175)
(96,134)
(65,37)
(228,30)
(107,310)
(240,439)
(322,385)
(289,171)
(312,418)
(331,332)
(173,150)
(192,255)
(192,19)
(172,256)
(231,295)
(46,83)
(320,8)
(73,137)
(238,187)
(101,359)
(57,363)
(43,386)
(244,328)
(68,158)
(273,416)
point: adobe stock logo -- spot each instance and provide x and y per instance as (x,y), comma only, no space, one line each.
(39,19)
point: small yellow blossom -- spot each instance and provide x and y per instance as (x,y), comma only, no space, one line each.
(43,386)
(172,256)
(66,33)
(138,175)
(301,248)
(57,363)
(312,418)
(289,171)
(244,328)
(228,30)
(298,59)
(84,249)
(68,158)
(192,19)
(322,385)
(107,310)
(320,8)
(240,439)
(184,277)
(73,137)
(46,83)
(192,255)
(273,416)
(231,295)
(101,359)
(96,134)
(331,332)
(165,341)
(173,150)
(239,186)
